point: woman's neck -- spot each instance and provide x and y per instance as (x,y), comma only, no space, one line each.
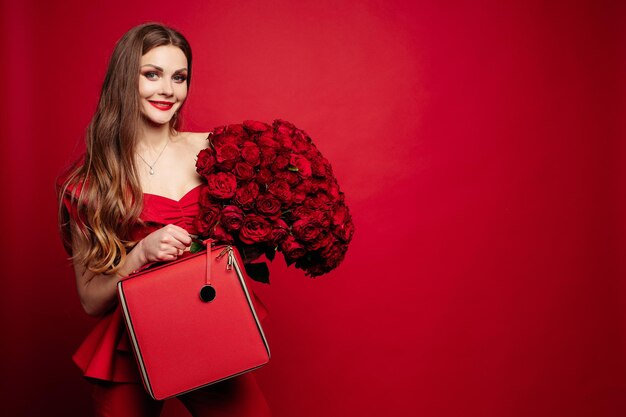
(153,136)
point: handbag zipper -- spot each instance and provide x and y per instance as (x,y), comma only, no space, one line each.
(228,249)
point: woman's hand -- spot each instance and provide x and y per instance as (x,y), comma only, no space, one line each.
(165,244)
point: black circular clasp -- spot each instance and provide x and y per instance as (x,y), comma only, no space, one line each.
(207,293)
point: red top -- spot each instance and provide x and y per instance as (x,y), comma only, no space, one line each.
(106,352)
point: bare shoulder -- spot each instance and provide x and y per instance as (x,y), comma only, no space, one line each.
(196,140)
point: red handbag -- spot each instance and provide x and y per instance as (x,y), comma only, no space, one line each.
(192,322)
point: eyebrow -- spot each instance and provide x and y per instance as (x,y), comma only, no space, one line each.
(161,69)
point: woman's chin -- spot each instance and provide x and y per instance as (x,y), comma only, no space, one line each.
(157,122)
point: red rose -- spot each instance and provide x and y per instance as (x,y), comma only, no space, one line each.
(226,166)
(301,164)
(291,248)
(345,231)
(232,218)
(244,171)
(333,191)
(340,214)
(267,141)
(334,254)
(304,213)
(280,162)
(268,205)
(284,140)
(210,215)
(289,177)
(235,130)
(268,155)
(283,124)
(264,176)
(221,235)
(221,185)
(227,138)
(205,162)
(298,194)
(247,193)
(280,231)
(299,212)
(318,184)
(281,190)
(226,152)
(255,229)
(205,199)
(251,153)
(301,143)
(322,240)
(320,167)
(330,187)
(218,131)
(312,153)
(284,129)
(305,230)
(255,126)
(201,226)
(305,187)
(319,201)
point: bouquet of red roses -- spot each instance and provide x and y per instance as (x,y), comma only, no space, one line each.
(269,189)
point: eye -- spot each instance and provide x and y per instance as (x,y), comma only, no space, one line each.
(179,78)
(151,75)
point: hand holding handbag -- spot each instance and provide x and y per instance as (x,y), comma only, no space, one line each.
(192,322)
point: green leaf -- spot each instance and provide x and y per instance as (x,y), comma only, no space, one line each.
(196,247)
(292,168)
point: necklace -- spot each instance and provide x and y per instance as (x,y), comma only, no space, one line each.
(157,159)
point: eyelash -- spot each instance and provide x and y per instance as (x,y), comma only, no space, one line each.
(177,77)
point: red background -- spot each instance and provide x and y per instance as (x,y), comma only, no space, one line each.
(480,146)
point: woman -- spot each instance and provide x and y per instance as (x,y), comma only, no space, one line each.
(131,200)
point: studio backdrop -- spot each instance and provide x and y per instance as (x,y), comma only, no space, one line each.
(480,146)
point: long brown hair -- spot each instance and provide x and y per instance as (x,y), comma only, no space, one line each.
(104,185)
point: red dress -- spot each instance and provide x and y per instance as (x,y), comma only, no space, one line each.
(106,352)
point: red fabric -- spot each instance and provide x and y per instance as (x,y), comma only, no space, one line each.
(70,202)
(106,351)
(239,396)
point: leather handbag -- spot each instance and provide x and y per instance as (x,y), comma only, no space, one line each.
(192,322)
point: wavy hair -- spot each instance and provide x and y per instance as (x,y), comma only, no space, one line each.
(103,187)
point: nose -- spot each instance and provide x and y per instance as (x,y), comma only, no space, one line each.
(166,87)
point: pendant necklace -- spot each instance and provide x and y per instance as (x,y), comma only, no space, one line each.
(157,159)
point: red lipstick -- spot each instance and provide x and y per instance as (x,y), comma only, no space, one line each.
(162,105)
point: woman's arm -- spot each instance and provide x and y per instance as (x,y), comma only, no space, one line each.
(98,292)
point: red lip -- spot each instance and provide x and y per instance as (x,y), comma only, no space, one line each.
(162,105)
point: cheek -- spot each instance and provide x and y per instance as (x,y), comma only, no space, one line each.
(182,92)
(146,88)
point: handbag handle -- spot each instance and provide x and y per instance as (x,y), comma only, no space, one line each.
(207,292)
(208,243)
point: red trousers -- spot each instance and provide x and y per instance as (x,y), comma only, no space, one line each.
(239,396)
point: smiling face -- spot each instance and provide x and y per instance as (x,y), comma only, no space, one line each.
(162,83)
